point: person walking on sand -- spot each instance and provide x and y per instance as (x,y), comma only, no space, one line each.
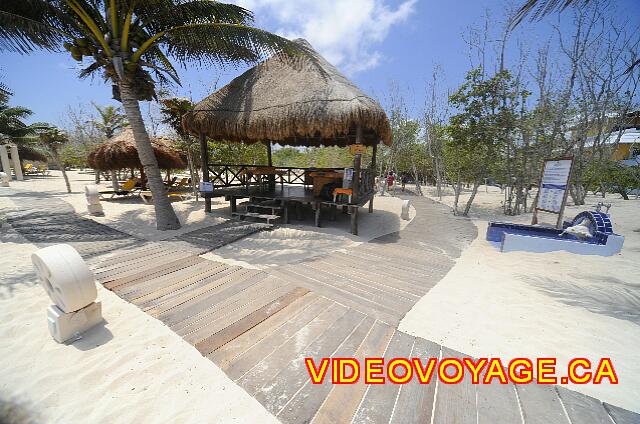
(404,179)
(390,180)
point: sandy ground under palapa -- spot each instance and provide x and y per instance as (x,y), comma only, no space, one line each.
(558,304)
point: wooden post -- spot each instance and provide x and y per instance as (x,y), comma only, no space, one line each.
(271,178)
(204,159)
(374,157)
(354,220)
(357,162)
(318,207)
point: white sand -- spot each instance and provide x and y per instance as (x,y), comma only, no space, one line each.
(542,305)
(297,241)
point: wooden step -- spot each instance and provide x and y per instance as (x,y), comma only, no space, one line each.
(257,215)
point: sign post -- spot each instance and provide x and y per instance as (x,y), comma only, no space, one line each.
(554,188)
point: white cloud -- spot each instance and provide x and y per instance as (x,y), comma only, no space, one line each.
(343,31)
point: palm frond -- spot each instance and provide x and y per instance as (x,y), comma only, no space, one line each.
(29,24)
(537,9)
(220,43)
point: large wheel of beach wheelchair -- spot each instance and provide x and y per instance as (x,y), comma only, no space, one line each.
(65,277)
(600,221)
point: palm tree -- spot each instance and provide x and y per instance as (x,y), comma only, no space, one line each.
(15,130)
(538,9)
(127,40)
(111,120)
(53,139)
(172,110)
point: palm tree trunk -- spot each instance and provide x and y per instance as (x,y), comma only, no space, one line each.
(114,180)
(166,218)
(59,164)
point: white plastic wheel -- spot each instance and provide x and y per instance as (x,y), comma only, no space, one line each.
(65,277)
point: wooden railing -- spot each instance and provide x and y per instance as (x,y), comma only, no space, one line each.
(224,175)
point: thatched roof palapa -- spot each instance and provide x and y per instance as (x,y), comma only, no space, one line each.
(120,152)
(299,101)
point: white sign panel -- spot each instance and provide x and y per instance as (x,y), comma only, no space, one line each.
(554,185)
(206,187)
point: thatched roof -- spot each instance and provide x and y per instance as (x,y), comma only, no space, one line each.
(32,154)
(301,101)
(120,152)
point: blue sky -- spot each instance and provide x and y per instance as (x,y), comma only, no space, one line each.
(374,42)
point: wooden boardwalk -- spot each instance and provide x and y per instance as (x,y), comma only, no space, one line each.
(258,326)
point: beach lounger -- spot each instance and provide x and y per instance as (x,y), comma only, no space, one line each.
(147,196)
(42,169)
(128,188)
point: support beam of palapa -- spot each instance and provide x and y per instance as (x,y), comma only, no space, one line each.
(204,159)
(272,178)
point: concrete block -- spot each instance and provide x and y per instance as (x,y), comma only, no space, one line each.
(95,209)
(64,326)
(5,179)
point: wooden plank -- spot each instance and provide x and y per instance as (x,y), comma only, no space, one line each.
(226,354)
(497,402)
(209,308)
(305,404)
(204,285)
(188,284)
(256,352)
(144,288)
(343,273)
(126,263)
(415,401)
(389,268)
(582,408)
(343,400)
(277,358)
(374,294)
(377,405)
(220,289)
(127,271)
(235,309)
(455,403)
(622,416)
(154,269)
(334,290)
(276,392)
(229,333)
(125,255)
(403,288)
(540,404)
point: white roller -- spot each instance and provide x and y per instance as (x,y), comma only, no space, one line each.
(65,276)
(406,205)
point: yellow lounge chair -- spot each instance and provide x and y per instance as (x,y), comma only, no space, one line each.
(128,188)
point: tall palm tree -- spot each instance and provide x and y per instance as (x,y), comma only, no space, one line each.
(53,139)
(111,120)
(172,110)
(127,40)
(14,129)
